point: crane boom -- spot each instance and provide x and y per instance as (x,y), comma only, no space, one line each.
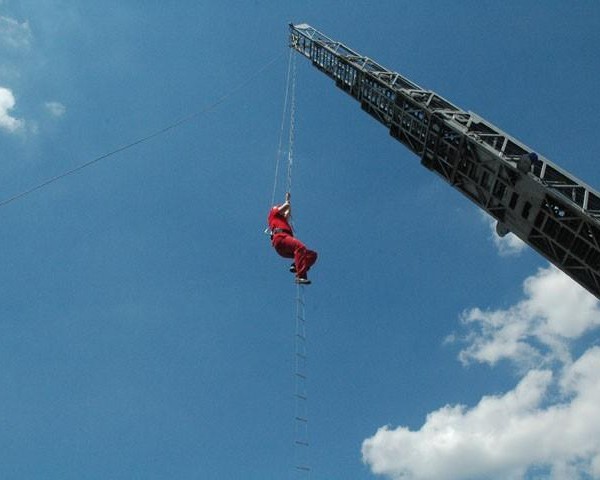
(543,205)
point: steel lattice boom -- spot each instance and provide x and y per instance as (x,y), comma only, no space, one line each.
(545,206)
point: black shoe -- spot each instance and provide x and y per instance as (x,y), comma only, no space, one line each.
(293,268)
(303,281)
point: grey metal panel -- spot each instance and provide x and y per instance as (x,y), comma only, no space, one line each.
(551,210)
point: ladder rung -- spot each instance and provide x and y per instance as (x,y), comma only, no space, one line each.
(300,442)
(301,397)
(301,467)
(301,375)
(301,419)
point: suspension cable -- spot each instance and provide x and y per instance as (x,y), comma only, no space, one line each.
(279,152)
(289,109)
(292,127)
(150,136)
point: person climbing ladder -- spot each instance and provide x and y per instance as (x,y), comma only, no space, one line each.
(288,246)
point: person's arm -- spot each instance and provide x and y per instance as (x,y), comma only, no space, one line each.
(285,208)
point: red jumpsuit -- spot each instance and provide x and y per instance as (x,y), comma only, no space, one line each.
(287,245)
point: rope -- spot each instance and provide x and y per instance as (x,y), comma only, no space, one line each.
(148,137)
(292,126)
(290,92)
(283,115)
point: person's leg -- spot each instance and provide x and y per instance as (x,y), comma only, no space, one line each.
(283,246)
(290,247)
(304,259)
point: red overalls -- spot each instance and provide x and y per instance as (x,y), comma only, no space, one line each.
(287,245)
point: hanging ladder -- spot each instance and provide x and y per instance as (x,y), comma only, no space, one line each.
(301,468)
(301,438)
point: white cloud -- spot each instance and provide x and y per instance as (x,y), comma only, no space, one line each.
(509,245)
(7,103)
(548,426)
(13,34)
(539,328)
(56,109)
(503,437)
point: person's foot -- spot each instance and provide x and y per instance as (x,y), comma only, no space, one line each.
(293,268)
(303,281)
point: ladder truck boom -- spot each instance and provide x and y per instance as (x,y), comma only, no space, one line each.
(543,205)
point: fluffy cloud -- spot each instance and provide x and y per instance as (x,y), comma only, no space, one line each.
(503,437)
(548,426)
(14,38)
(7,103)
(537,329)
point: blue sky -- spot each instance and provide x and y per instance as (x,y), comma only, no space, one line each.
(147,326)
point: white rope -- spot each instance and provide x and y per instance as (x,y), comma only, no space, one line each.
(278,153)
(292,127)
(290,91)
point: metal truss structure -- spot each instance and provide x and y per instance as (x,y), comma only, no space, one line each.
(543,205)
